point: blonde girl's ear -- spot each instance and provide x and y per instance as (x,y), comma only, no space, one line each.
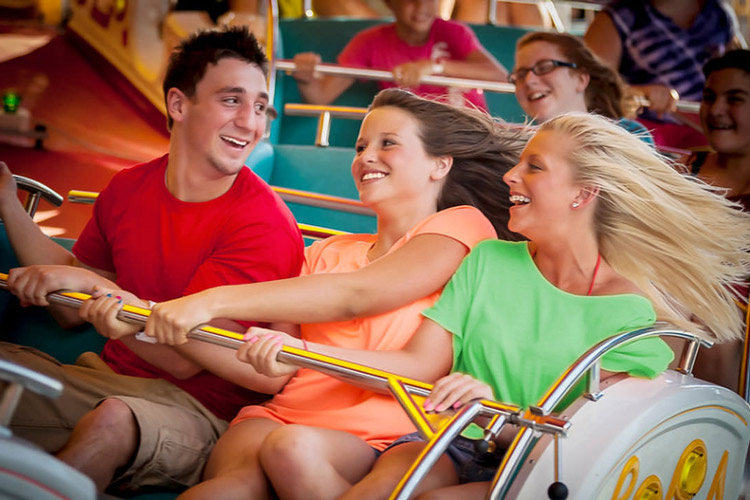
(176,104)
(442,166)
(585,196)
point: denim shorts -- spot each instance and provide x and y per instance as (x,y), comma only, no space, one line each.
(470,466)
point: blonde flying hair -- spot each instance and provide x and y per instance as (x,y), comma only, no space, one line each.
(677,238)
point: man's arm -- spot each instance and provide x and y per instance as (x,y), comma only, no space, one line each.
(51,262)
(29,243)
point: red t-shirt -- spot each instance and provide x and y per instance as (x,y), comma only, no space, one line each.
(161,248)
(380,47)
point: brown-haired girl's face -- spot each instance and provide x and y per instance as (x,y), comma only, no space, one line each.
(725,111)
(542,187)
(548,95)
(391,163)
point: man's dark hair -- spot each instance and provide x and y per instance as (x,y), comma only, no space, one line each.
(189,61)
(734,59)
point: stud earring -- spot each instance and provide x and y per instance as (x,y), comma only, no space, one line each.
(575,204)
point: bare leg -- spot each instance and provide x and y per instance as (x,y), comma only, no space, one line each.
(105,439)
(313,463)
(233,470)
(391,467)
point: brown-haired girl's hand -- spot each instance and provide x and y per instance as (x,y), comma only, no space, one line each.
(171,321)
(455,390)
(261,348)
(102,308)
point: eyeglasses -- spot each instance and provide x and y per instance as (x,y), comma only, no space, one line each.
(540,68)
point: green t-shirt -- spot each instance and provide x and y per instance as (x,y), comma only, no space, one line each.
(517,332)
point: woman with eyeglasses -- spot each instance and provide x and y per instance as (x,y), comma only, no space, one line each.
(555,73)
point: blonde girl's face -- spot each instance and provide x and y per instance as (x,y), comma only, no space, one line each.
(542,187)
(391,163)
(725,111)
(546,96)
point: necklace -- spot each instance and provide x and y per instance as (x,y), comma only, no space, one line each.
(596,270)
(593,276)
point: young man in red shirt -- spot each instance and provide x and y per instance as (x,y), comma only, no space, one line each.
(146,414)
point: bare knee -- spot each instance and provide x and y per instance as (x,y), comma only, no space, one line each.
(289,446)
(111,423)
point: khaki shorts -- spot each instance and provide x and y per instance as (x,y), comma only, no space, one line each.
(177,432)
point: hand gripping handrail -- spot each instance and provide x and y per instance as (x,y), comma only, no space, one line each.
(288,65)
(587,364)
(36,190)
(408,392)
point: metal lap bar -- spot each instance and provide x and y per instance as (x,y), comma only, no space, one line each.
(442,81)
(36,191)
(403,388)
(381,75)
(500,413)
(339,203)
(434,449)
(406,391)
(83,197)
(522,444)
(324,114)
(19,378)
(317,232)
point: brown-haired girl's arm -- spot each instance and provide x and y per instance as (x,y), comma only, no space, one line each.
(419,268)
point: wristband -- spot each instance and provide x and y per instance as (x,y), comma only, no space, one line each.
(438,67)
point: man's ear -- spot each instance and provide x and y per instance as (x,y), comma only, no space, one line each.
(176,104)
(443,165)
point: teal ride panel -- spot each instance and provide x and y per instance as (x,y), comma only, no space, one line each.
(328,37)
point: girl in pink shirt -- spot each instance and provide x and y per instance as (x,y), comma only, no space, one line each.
(418,44)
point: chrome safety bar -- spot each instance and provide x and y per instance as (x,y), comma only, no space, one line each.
(408,392)
(381,75)
(19,378)
(588,363)
(324,114)
(36,191)
(444,81)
